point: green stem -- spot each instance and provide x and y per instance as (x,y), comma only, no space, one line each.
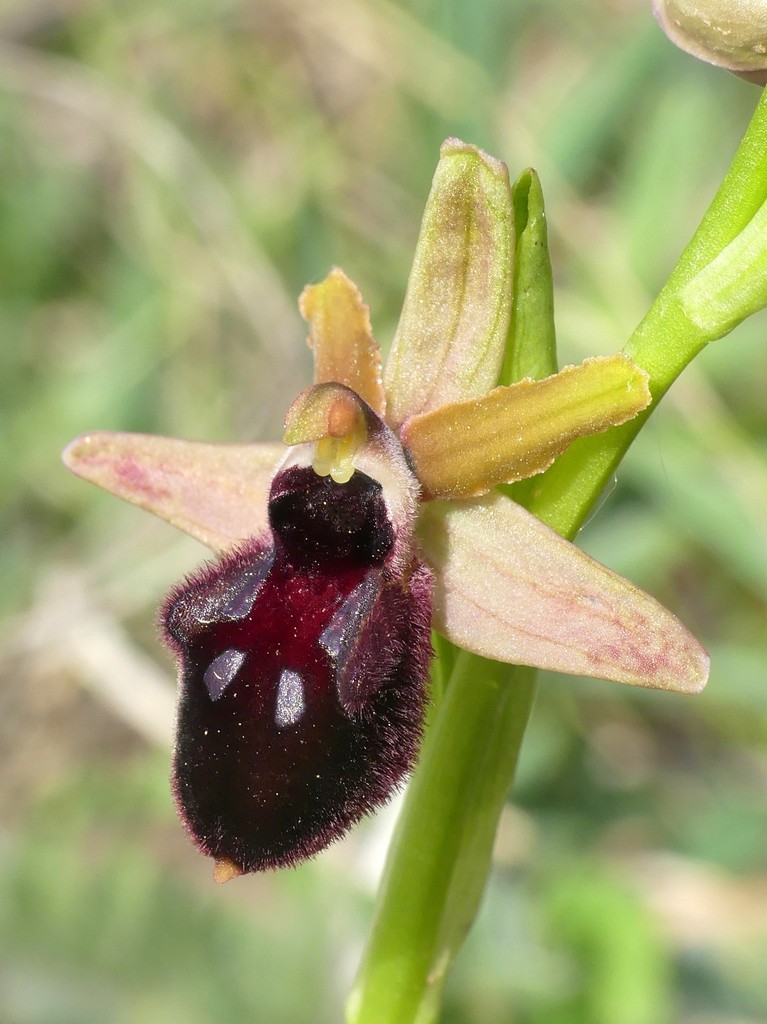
(440,854)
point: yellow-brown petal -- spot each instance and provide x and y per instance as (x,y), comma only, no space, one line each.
(451,336)
(215,492)
(340,334)
(464,450)
(508,587)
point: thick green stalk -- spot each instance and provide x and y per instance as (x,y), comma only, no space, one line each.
(441,851)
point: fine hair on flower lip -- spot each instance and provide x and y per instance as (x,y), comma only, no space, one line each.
(303,662)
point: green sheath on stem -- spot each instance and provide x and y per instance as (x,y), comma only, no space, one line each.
(532,346)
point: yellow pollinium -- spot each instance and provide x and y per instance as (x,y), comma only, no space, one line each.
(334,458)
(334,417)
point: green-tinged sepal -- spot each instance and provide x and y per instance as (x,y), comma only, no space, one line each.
(450,341)
(465,449)
(509,588)
(215,492)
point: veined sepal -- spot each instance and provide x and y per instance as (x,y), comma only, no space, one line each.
(511,589)
(215,492)
(452,332)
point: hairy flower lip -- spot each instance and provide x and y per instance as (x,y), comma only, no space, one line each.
(303,655)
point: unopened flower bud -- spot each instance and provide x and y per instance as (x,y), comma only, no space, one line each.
(731,34)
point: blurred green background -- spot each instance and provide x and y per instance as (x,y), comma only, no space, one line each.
(170,176)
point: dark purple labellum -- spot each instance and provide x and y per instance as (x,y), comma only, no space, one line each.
(303,661)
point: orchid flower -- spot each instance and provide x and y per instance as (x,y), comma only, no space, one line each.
(304,649)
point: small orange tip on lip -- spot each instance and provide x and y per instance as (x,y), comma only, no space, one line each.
(225,870)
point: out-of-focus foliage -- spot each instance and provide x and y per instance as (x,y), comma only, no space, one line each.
(170,176)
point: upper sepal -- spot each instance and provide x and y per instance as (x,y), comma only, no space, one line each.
(451,336)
